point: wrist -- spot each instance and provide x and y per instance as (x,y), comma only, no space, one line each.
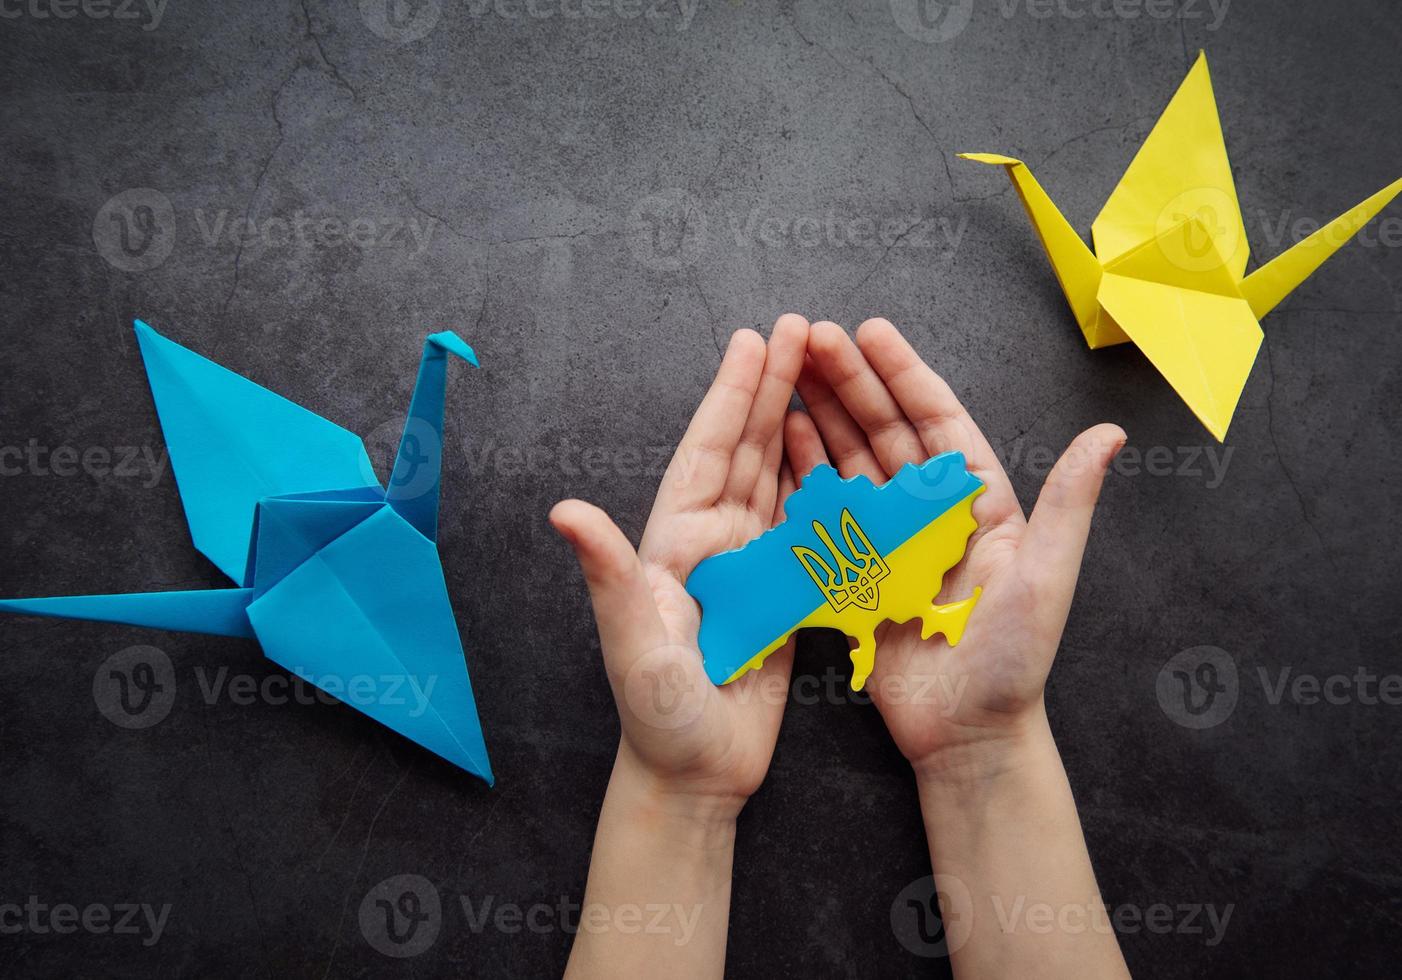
(687,814)
(990,756)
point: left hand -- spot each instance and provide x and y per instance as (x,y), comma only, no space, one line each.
(874,406)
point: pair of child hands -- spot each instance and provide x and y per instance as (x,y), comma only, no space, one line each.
(872,406)
(684,772)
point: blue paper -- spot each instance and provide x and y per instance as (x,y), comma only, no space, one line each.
(339,580)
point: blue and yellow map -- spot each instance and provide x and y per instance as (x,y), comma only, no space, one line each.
(849,555)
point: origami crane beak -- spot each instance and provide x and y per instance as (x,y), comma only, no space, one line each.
(1075,265)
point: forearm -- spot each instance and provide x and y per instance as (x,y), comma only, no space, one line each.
(658,898)
(1002,824)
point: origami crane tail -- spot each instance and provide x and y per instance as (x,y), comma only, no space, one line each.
(1076,267)
(1268,285)
(220,612)
(414,482)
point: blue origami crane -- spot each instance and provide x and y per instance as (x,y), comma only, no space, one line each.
(338,577)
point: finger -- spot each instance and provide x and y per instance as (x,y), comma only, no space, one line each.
(701,464)
(865,397)
(803,445)
(1056,534)
(843,438)
(787,485)
(939,419)
(782,361)
(766,490)
(624,608)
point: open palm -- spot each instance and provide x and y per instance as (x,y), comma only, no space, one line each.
(873,406)
(724,486)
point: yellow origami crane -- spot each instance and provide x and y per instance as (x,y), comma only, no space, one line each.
(1170,254)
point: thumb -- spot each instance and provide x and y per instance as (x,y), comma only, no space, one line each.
(1056,534)
(624,607)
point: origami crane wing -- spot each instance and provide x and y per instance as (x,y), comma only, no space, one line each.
(1277,279)
(849,555)
(372,604)
(1181,171)
(233,442)
(217,612)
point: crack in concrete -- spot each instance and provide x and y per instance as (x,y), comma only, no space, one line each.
(696,284)
(1183,31)
(1112,127)
(1285,470)
(364,851)
(350,806)
(257,187)
(486,296)
(321,51)
(409,196)
(814,44)
(524,240)
(881,259)
(896,87)
(1038,417)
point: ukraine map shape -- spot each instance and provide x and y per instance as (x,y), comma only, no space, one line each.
(849,555)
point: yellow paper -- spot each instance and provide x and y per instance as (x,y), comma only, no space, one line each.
(1170,256)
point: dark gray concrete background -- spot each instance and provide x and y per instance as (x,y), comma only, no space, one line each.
(539,155)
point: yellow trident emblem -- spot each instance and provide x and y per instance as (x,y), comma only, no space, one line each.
(854,581)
